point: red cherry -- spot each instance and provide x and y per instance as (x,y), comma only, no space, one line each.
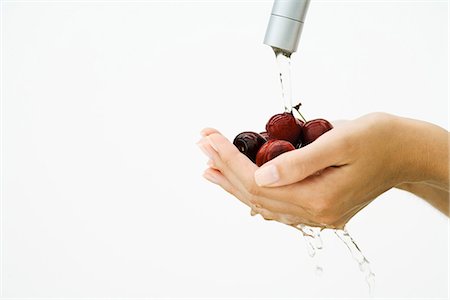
(248,143)
(313,129)
(272,149)
(265,135)
(285,127)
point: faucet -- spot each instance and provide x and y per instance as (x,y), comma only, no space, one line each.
(285,25)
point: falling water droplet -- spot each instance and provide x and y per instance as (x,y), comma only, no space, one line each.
(363,263)
(313,244)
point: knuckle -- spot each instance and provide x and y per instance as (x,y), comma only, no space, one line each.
(227,159)
(289,219)
(252,189)
(267,215)
(253,200)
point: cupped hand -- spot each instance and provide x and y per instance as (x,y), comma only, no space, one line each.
(322,184)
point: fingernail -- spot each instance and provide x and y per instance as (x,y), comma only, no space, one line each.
(266,175)
(204,150)
(211,142)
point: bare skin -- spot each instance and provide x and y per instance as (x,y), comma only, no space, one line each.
(327,182)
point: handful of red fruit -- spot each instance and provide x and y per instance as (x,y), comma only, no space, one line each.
(284,132)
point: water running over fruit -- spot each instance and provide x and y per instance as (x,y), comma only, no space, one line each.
(284,132)
(285,127)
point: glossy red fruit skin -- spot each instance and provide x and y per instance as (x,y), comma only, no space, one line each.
(272,149)
(265,135)
(248,143)
(285,127)
(313,129)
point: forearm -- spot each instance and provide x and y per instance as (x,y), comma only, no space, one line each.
(425,161)
(437,197)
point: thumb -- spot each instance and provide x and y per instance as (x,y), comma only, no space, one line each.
(298,164)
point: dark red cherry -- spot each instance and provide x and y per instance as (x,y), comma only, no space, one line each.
(313,129)
(285,127)
(272,149)
(265,135)
(248,143)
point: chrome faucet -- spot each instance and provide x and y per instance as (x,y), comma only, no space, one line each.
(285,25)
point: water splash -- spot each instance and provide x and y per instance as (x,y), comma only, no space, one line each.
(314,244)
(363,263)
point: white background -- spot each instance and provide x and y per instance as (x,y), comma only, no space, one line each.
(102,102)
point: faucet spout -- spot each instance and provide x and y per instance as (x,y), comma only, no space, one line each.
(286,24)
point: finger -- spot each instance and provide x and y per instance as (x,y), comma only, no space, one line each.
(239,170)
(207,131)
(273,216)
(211,164)
(206,148)
(216,177)
(216,162)
(237,167)
(231,157)
(268,215)
(296,165)
(282,218)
